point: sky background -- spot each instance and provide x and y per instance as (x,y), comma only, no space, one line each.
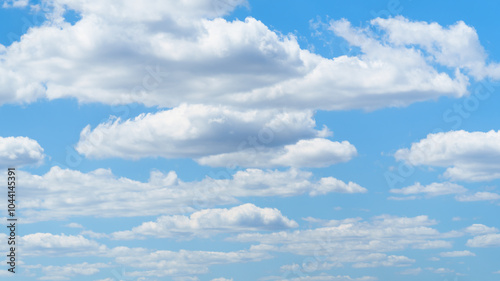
(252,140)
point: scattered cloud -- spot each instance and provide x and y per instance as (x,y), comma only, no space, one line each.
(20,151)
(478,229)
(468,156)
(478,196)
(484,241)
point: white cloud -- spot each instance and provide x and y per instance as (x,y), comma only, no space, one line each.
(74,225)
(64,193)
(20,151)
(360,243)
(453,46)
(217,136)
(183,262)
(478,229)
(305,153)
(478,196)
(47,244)
(15,3)
(391,260)
(323,277)
(468,156)
(456,254)
(238,63)
(485,241)
(222,279)
(433,189)
(149,263)
(66,271)
(247,217)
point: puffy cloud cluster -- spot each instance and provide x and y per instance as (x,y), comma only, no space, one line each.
(206,222)
(20,151)
(218,136)
(123,53)
(467,156)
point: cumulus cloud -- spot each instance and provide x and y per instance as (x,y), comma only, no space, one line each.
(477,229)
(238,63)
(47,244)
(20,151)
(441,43)
(64,193)
(316,152)
(247,217)
(218,136)
(467,156)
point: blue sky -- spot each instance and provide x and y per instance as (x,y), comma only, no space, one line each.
(252,140)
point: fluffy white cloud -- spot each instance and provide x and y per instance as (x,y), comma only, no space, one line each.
(456,254)
(316,152)
(47,244)
(63,193)
(433,189)
(468,156)
(485,241)
(198,57)
(247,217)
(20,151)
(217,136)
(477,229)
(454,46)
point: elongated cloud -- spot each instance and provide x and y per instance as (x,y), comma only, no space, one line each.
(64,193)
